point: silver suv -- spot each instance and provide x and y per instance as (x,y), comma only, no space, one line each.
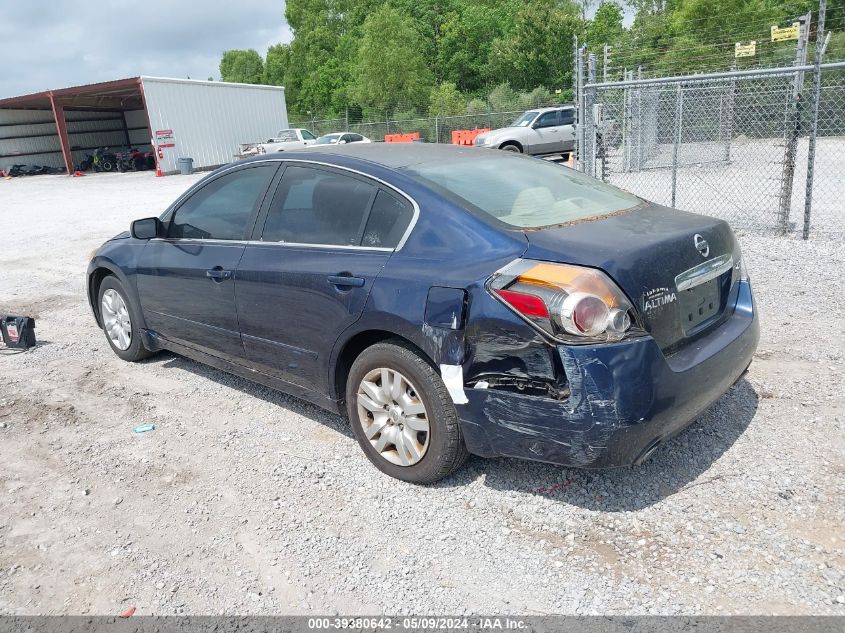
(536,132)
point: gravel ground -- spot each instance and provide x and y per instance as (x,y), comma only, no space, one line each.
(244,500)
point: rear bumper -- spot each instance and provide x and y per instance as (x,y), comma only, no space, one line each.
(626,398)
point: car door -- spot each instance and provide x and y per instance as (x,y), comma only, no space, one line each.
(567,130)
(323,240)
(186,280)
(548,136)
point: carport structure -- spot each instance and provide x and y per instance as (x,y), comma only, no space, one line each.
(106,120)
(203,120)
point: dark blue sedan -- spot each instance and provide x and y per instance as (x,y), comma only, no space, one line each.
(450,300)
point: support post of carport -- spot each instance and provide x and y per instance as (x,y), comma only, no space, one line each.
(61,128)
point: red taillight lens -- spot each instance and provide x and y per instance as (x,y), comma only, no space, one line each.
(571,303)
(528,305)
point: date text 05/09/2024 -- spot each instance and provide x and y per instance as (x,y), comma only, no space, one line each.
(429,623)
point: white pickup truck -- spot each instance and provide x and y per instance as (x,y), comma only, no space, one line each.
(292,138)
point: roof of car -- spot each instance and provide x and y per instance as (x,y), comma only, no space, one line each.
(562,106)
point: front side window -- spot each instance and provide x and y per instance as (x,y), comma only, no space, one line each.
(308,136)
(523,192)
(315,206)
(549,119)
(222,209)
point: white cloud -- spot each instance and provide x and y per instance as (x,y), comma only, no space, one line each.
(66,44)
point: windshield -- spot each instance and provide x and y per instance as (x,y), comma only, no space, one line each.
(328,139)
(525,119)
(307,135)
(524,192)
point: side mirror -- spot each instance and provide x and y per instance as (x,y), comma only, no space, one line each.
(341,142)
(147,229)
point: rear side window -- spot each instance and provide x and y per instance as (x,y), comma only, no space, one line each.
(312,206)
(567,117)
(388,221)
(222,209)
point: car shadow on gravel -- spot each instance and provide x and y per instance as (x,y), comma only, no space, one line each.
(167,360)
(682,462)
(677,465)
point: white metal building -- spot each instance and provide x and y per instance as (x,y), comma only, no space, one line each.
(203,120)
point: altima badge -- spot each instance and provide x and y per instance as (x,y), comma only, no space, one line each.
(701,245)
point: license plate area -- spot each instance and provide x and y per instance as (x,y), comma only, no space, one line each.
(698,304)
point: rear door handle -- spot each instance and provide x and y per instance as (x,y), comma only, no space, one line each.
(218,274)
(346,280)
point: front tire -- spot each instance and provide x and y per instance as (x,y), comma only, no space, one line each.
(402,415)
(120,320)
(511,147)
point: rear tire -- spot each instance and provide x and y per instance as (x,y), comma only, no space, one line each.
(120,319)
(411,431)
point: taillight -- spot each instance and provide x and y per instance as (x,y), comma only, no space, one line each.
(571,303)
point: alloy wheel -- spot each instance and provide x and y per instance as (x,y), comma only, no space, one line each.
(393,416)
(116,320)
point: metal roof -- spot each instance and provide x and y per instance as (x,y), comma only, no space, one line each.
(121,94)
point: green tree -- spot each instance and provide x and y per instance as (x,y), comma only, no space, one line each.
(390,69)
(537,51)
(466,38)
(605,27)
(242,66)
(276,64)
(446,100)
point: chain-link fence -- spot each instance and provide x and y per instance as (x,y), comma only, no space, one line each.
(436,129)
(734,145)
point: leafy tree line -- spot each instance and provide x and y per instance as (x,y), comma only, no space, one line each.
(404,58)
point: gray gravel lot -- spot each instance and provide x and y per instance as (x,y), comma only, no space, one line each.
(244,500)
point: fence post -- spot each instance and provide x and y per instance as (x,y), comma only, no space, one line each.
(729,115)
(793,128)
(679,116)
(436,128)
(579,130)
(811,149)
(346,119)
(626,124)
(590,128)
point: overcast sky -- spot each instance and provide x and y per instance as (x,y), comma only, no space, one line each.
(55,44)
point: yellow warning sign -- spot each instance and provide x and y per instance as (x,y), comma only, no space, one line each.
(786,33)
(745,50)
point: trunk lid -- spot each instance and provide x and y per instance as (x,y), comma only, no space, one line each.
(679,285)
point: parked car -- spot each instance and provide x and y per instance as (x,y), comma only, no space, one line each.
(450,300)
(341,138)
(294,138)
(537,132)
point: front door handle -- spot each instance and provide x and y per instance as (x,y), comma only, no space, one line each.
(217,274)
(346,280)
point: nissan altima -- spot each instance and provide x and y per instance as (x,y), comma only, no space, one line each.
(448,300)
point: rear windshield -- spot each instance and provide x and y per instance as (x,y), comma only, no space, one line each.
(523,192)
